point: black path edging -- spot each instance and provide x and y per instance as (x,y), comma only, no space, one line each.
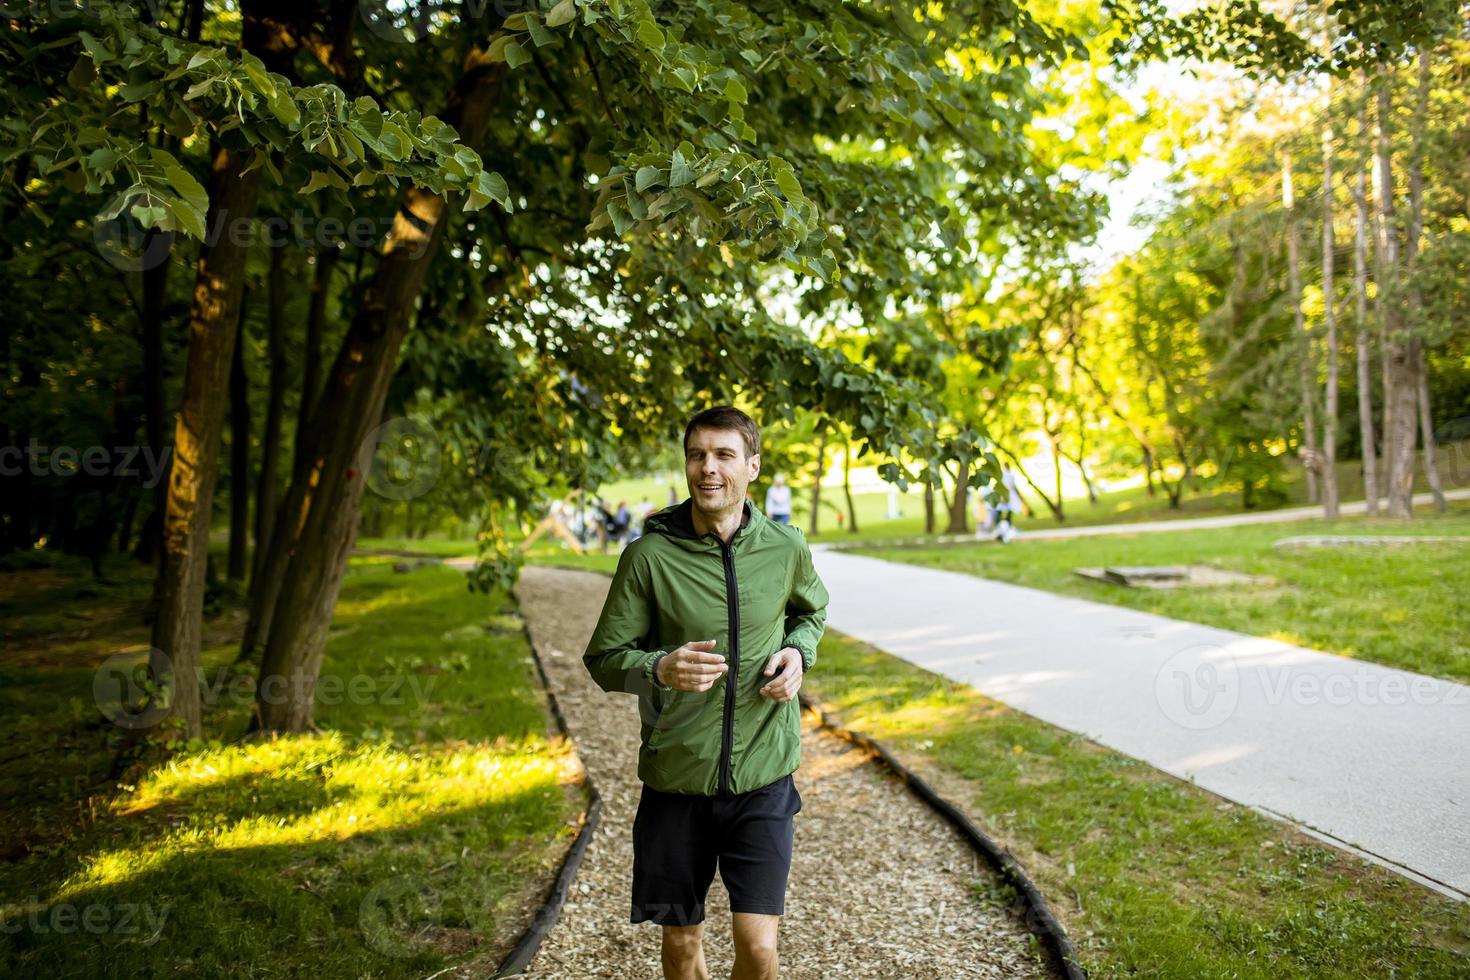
(1039,917)
(546,917)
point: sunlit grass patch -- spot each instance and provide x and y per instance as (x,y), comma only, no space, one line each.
(417,829)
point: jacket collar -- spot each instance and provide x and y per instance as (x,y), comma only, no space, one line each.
(678,522)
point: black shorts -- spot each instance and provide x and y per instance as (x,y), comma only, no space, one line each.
(679,838)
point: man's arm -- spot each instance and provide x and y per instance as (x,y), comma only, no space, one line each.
(806,609)
(615,656)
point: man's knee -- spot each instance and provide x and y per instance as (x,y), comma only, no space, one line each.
(755,937)
(684,940)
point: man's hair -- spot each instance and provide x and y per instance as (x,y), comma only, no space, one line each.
(726,417)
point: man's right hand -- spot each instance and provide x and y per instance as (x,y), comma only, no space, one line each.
(692,667)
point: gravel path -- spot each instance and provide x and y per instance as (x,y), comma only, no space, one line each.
(880,886)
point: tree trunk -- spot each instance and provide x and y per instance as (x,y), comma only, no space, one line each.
(321,513)
(852,518)
(1056,473)
(239,453)
(155,289)
(1329,321)
(959,504)
(1426,429)
(316,317)
(213,322)
(1419,362)
(817,484)
(1364,338)
(266,493)
(1400,394)
(928,507)
(1306,368)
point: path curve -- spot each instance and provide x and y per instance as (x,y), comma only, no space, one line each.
(880,885)
(1283,516)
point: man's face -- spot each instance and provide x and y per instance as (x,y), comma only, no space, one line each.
(718,470)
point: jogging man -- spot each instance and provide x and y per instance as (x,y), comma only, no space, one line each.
(713,618)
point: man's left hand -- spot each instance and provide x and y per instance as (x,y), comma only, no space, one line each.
(788,682)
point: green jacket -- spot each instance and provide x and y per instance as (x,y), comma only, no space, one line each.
(754,596)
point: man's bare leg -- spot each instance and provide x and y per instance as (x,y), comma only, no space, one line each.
(755,946)
(683,953)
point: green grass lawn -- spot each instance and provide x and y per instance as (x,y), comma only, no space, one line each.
(418,829)
(1404,606)
(435,544)
(1152,876)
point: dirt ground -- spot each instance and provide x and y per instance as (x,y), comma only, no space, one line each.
(880,886)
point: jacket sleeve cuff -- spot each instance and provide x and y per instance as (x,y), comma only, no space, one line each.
(650,670)
(808,657)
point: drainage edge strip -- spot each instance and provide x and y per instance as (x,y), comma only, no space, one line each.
(1039,918)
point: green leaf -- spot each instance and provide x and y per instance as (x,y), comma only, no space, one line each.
(786,180)
(622,220)
(650,36)
(493,186)
(82,74)
(102,159)
(563,13)
(515,55)
(393,143)
(320,179)
(181,180)
(259,77)
(646,177)
(148,217)
(355,149)
(539,34)
(680,173)
(187,218)
(735,90)
(284,108)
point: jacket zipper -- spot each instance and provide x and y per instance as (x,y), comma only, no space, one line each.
(732,595)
